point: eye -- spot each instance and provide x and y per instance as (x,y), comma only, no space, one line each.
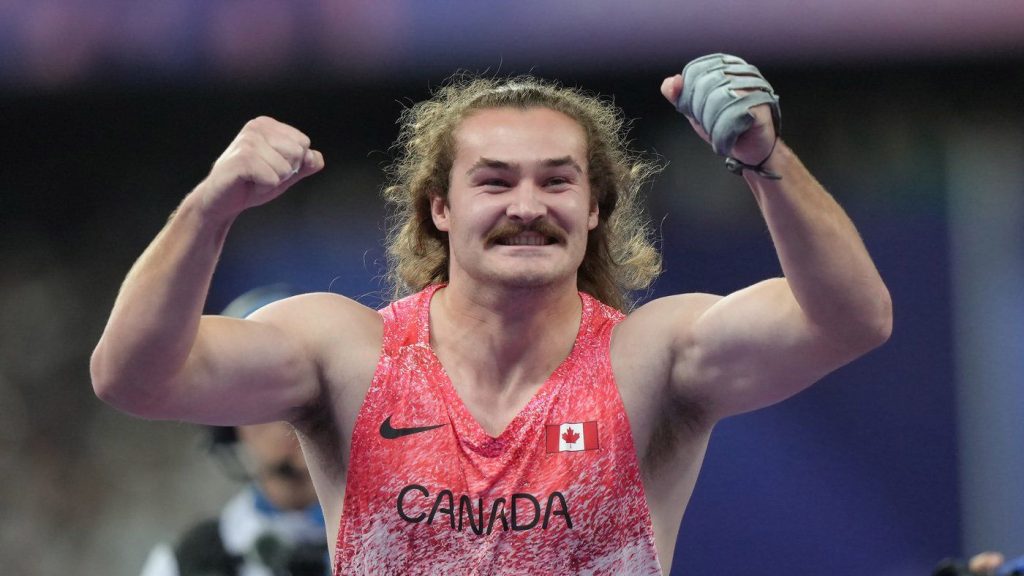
(499,182)
(557,182)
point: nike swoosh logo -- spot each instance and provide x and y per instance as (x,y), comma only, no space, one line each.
(391,433)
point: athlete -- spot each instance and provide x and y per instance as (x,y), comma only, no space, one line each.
(504,415)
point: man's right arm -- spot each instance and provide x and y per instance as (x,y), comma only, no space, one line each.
(158,356)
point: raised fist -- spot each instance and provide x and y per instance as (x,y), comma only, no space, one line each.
(729,104)
(265,159)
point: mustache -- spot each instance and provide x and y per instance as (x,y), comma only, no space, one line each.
(510,229)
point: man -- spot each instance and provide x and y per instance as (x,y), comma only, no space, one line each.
(504,419)
(274,526)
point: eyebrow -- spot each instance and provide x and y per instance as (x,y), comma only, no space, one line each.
(502,165)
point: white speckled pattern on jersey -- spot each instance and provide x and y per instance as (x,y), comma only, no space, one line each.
(453,500)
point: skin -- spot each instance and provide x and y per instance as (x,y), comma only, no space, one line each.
(681,363)
(275,461)
(495,289)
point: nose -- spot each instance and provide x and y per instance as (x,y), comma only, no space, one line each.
(526,203)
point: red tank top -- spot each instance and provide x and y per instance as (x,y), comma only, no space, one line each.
(429,492)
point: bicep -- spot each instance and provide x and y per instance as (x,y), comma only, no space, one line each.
(274,365)
(750,349)
(241,372)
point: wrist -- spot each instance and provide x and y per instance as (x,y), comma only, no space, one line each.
(203,215)
(761,168)
(208,207)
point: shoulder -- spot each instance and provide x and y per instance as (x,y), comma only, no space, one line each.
(411,307)
(338,334)
(651,343)
(646,349)
(663,322)
(647,344)
(321,314)
(311,305)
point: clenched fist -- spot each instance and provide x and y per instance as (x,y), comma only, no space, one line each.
(265,159)
(730,105)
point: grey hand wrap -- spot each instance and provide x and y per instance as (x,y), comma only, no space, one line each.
(709,97)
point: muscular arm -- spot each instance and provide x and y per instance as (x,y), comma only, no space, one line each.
(771,340)
(158,356)
(766,342)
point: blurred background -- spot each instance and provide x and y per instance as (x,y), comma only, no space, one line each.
(908,111)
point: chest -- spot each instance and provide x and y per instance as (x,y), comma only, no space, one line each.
(419,446)
(413,399)
(439,467)
(493,407)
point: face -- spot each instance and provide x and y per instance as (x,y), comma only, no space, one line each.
(519,205)
(275,460)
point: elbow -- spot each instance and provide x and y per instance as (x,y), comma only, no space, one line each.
(886,332)
(860,330)
(104,385)
(882,326)
(107,384)
(875,326)
(115,387)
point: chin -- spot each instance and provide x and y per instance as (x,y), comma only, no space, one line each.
(523,279)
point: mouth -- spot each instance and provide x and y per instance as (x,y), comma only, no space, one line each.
(526,239)
(539,233)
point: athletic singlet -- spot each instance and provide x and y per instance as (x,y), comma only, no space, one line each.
(429,492)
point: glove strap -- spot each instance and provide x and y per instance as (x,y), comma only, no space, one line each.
(736,167)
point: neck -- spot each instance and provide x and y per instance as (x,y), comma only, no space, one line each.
(506,337)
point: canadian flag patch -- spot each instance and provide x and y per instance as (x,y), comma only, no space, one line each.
(571,437)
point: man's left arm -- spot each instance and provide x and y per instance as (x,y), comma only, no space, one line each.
(824,261)
(768,341)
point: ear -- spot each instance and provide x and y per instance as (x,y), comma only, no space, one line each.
(592,218)
(439,212)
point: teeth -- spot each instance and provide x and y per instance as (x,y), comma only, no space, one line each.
(525,240)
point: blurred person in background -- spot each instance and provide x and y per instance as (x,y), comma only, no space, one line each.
(995,564)
(274,526)
(504,415)
(982,564)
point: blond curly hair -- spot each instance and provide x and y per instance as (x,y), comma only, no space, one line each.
(620,256)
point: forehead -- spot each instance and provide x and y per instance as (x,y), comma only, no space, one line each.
(519,135)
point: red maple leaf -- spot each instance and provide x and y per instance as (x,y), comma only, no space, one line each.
(570,436)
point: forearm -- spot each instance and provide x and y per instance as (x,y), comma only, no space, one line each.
(823,258)
(155,320)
